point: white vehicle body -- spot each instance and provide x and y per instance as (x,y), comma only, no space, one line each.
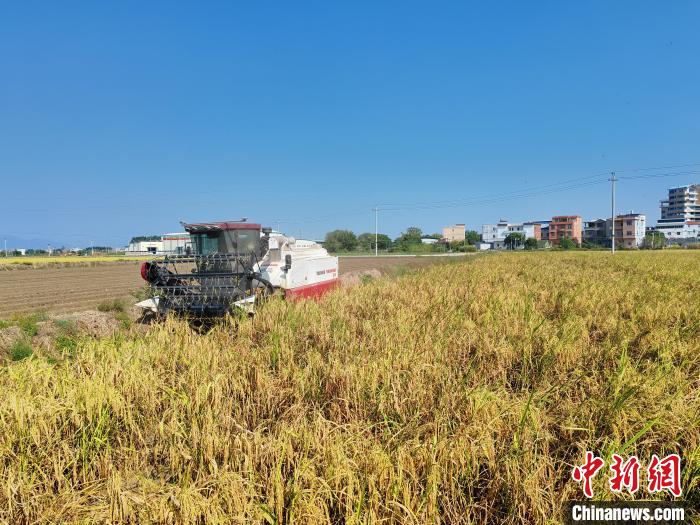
(312,270)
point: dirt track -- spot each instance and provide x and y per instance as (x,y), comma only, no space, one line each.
(73,289)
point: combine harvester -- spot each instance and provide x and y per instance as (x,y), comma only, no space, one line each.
(233,265)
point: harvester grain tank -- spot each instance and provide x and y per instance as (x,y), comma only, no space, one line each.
(234,264)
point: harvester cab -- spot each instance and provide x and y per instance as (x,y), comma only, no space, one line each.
(232,265)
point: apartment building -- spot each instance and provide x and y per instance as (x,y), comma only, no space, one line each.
(681,205)
(454,233)
(565,226)
(630,230)
(492,233)
(596,232)
(680,214)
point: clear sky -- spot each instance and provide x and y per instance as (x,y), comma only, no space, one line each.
(123,118)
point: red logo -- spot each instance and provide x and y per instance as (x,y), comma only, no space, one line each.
(587,472)
(625,474)
(662,474)
(665,474)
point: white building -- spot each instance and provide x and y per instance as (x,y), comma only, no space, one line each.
(680,214)
(428,240)
(680,232)
(495,234)
(145,247)
(169,243)
(630,230)
(492,233)
(175,243)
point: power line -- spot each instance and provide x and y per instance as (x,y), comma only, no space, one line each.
(531,192)
(660,175)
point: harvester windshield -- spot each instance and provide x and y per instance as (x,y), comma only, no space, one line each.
(231,241)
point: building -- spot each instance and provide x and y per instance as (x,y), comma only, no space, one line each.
(630,230)
(680,214)
(145,247)
(565,226)
(176,243)
(682,205)
(169,243)
(596,232)
(454,233)
(428,240)
(681,233)
(495,234)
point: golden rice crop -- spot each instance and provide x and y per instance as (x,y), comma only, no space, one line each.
(39,261)
(461,393)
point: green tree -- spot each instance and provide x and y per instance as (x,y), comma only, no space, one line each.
(531,243)
(456,246)
(472,237)
(654,240)
(515,239)
(145,238)
(365,241)
(566,243)
(411,237)
(340,241)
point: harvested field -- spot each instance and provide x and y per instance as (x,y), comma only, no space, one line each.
(76,288)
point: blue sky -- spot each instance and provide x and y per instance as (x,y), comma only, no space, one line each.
(123,118)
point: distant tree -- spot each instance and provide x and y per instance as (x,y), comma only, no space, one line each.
(472,237)
(411,237)
(513,240)
(340,241)
(456,246)
(566,243)
(365,241)
(145,238)
(654,240)
(531,243)
(435,236)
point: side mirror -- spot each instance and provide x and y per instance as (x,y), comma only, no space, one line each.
(287,262)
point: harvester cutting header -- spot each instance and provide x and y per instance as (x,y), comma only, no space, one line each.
(232,265)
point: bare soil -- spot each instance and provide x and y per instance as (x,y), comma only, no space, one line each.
(76,289)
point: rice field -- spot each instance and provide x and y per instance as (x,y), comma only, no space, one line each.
(30,261)
(458,393)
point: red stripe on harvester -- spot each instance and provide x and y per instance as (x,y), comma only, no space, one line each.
(311,290)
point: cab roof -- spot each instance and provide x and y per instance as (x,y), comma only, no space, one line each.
(204,227)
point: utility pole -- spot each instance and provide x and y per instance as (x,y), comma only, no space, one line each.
(5,247)
(92,248)
(376,231)
(612,180)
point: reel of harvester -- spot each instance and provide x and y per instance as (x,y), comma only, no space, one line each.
(203,285)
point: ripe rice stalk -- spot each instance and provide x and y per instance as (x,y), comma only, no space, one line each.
(459,393)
